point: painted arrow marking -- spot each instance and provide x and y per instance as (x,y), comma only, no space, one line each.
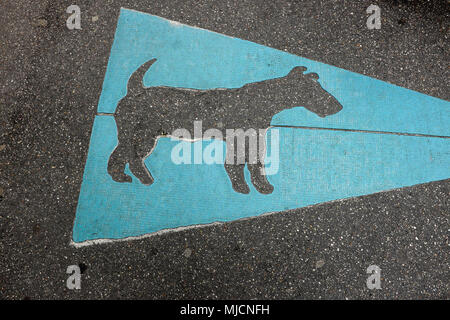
(385,137)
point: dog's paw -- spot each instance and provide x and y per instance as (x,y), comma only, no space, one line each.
(147,180)
(120,177)
(265,189)
(241,188)
(262,185)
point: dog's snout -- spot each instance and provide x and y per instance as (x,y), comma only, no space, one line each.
(333,106)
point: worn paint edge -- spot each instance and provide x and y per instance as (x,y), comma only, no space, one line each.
(179,24)
(218,223)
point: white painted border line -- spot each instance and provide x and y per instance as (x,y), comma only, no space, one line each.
(176,23)
(218,223)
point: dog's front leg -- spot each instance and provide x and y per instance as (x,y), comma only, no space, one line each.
(236,174)
(255,166)
(259,179)
(234,166)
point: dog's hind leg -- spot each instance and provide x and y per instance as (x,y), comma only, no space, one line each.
(140,171)
(116,164)
(137,165)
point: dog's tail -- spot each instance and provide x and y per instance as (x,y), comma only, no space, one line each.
(135,85)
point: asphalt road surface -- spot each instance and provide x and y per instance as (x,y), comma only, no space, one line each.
(50,81)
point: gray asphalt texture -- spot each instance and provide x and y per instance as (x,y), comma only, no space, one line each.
(51,79)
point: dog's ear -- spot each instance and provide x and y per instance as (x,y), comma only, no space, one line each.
(297,71)
(312,75)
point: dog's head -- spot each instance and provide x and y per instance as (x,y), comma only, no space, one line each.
(310,94)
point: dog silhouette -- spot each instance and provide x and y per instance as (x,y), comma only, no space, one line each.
(145,114)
